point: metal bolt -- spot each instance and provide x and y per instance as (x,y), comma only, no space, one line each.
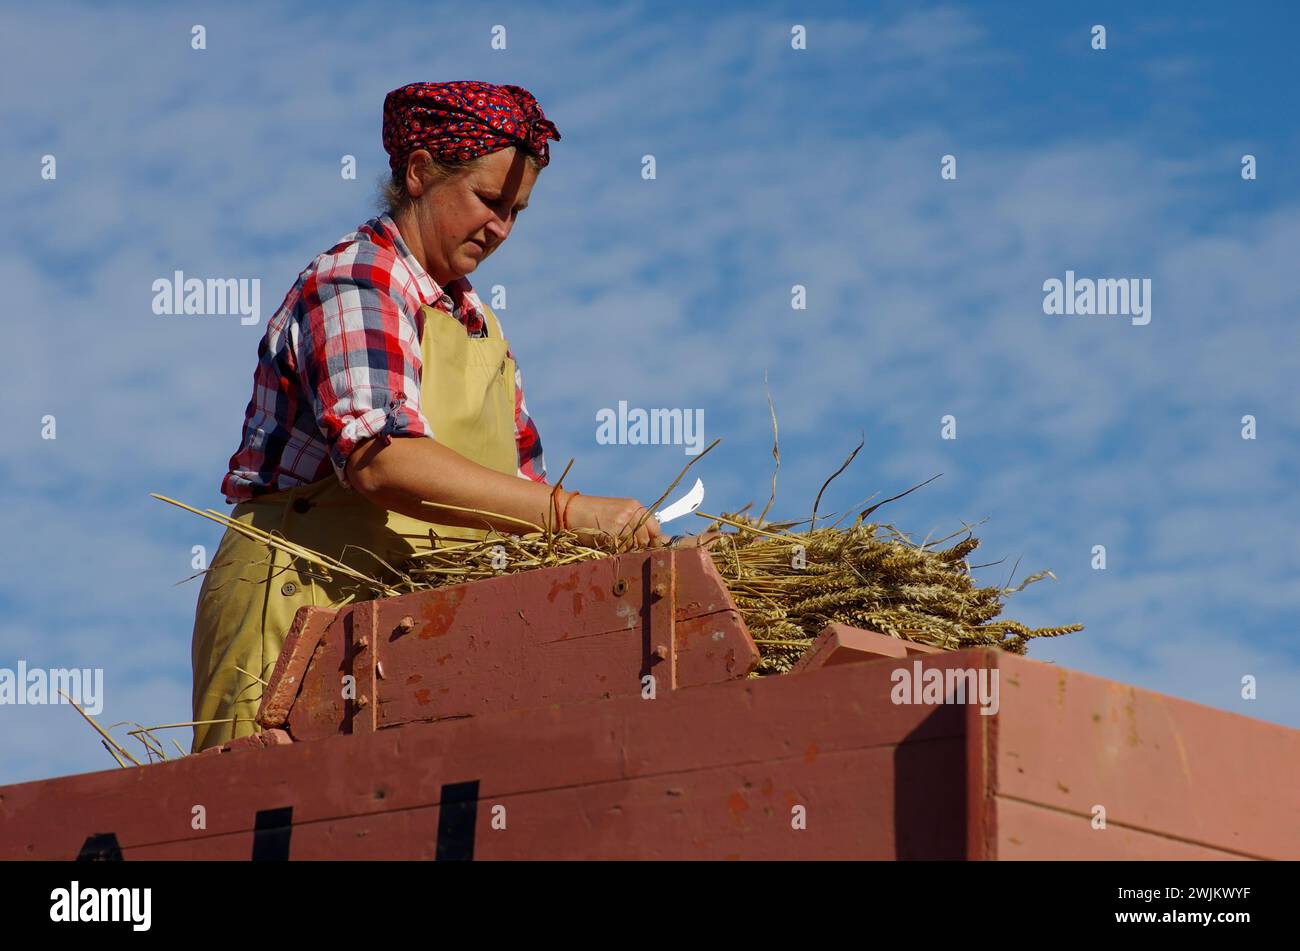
(661,652)
(362,642)
(379,669)
(660,589)
(361,702)
(620,586)
(406,624)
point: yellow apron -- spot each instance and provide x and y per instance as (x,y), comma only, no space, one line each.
(250,593)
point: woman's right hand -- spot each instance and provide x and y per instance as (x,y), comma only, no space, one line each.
(592,517)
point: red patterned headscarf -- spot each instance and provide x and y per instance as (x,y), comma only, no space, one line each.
(459,121)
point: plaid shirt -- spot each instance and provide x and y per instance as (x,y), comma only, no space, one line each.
(340,363)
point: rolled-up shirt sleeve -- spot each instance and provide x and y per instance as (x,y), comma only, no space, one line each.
(532,463)
(359,352)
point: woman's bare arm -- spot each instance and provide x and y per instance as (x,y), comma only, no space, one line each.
(400,475)
(408,470)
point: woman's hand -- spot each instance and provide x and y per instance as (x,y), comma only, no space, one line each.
(597,517)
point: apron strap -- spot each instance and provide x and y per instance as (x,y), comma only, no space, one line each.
(494,325)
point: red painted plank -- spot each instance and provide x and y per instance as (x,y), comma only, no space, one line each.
(1071,741)
(729,812)
(516,752)
(300,643)
(1028,831)
(841,644)
(588,631)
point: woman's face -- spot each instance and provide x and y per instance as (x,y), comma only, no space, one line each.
(464,219)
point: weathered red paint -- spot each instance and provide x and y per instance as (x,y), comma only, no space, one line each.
(632,778)
(841,644)
(504,646)
(253,741)
(300,643)
(542,708)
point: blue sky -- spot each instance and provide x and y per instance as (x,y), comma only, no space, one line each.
(775,167)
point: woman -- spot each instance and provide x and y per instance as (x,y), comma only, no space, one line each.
(383,382)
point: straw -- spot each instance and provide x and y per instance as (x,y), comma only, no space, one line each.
(109,743)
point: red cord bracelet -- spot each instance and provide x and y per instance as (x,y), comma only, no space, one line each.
(564,512)
(557,501)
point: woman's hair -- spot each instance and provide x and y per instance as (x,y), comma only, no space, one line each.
(394,199)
